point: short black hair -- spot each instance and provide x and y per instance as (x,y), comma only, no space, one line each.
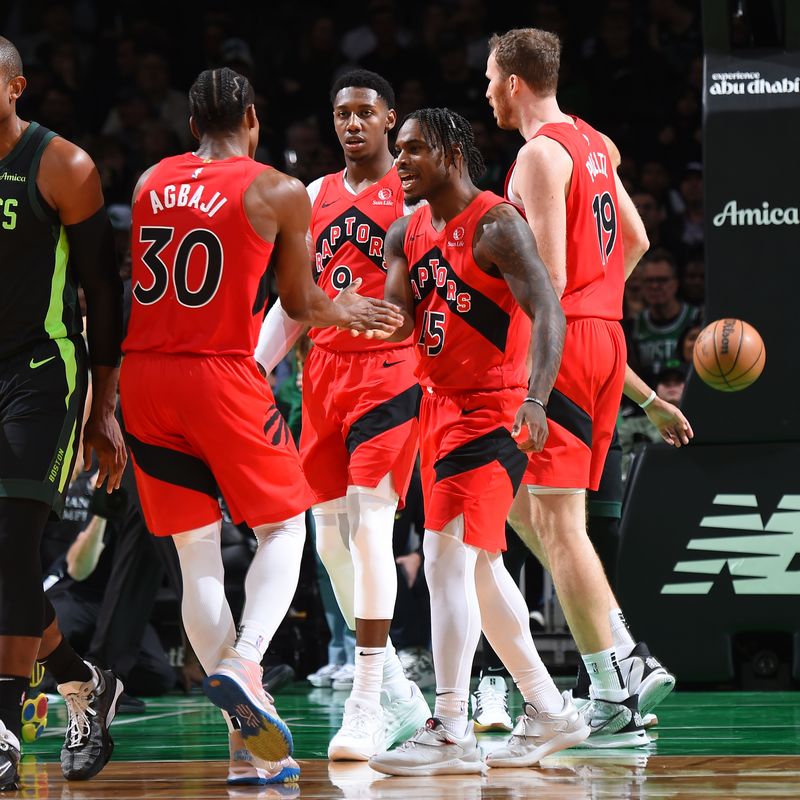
(218,100)
(10,60)
(364,79)
(446,130)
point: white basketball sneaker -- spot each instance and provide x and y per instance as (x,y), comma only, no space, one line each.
(401,718)
(540,734)
(361,735)
(432,750)
(490,704)
(245,769)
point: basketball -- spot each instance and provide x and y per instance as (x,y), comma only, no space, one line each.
(729,355)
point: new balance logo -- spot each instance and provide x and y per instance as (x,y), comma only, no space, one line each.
(760,562)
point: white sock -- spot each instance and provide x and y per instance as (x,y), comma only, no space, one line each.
(621,633)
(451,710)
(395,683)
(506,624)
(607,683)
(455,620)
(270,584)
(333,548)
(368,676)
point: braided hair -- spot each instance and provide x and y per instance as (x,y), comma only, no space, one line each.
(218,100)
(446,130)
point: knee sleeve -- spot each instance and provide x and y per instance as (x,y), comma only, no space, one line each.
(604,536)
(333,549)
(370,514)
(21,595)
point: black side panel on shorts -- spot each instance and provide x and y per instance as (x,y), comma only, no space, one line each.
(173,467)
(388,415)
(570,416)
(497,445)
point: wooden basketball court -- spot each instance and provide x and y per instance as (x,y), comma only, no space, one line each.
(708,745)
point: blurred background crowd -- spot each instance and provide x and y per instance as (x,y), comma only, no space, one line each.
(113,77)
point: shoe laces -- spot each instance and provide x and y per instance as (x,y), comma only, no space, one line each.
(426,736)
(491,700)
(358,722)
(79,709)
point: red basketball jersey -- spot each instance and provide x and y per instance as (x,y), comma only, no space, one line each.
(470,331)
(595,258)
(199,270)
(347,231)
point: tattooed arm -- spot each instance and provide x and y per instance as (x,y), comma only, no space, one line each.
(504,243)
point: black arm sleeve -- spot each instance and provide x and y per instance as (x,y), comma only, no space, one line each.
(92,253)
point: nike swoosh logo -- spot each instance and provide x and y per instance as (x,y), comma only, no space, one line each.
(325,205)
(392,363)
(5,768)
(362,653)
(35,364)
(471,410)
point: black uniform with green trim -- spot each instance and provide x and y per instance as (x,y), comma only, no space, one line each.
(43,364)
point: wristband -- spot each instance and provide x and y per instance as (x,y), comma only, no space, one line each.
(649,400)
(537,401)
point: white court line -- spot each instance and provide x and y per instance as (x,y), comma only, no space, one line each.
(127,721)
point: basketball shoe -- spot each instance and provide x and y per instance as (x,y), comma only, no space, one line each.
(538,734)
(417,663)
(490,704)
(342,679)
(432,750)
(235,687)
(245,769)
(91,708)
(362,734)
(615,724)
(323,677)
(34,709)
(402,717)
(645,676)
(9,760)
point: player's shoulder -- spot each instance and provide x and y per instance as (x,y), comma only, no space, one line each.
(544,157)
(274,185)
(396,235)
(61,156)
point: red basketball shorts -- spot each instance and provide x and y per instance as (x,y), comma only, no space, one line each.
(203,426)
(359,420)
(583,407)
(470,464)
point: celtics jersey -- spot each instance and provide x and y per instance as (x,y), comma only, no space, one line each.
(39,297)
(657,344)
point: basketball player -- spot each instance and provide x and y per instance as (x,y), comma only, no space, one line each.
(200,417)
(591,237)
(54,234)
(465,271)
(359,434)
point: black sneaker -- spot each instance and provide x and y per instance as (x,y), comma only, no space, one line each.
(615,724)
(91,707)
(645,676)
(9,760)
(128,704)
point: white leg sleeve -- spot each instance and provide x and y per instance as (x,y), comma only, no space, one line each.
(455,613)
(278,334)
(370,513)
(333,547)
(506,624)
(206,615)
(270,584)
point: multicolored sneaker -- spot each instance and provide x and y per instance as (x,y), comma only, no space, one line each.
(91,708)
(235,687)
(34,709)
(245,769)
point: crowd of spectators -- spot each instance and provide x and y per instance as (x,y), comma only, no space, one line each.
(113,77)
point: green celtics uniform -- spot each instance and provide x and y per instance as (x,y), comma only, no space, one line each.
(43,369)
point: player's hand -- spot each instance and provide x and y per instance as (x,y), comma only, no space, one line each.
(533,417)
(378,318)
(191,675)
(102,434)
(670,422)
